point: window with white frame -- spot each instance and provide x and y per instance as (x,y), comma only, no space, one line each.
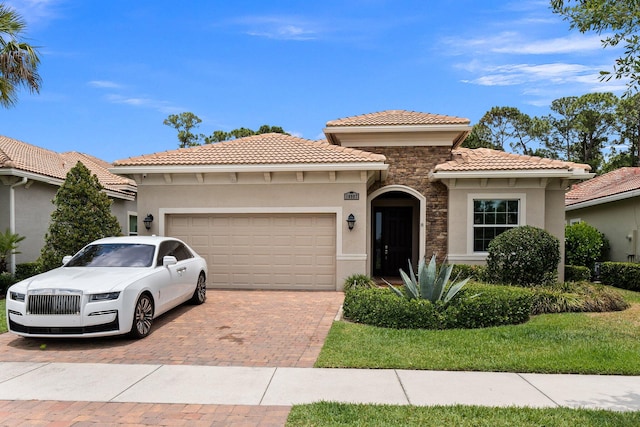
(492,217)
(133,224)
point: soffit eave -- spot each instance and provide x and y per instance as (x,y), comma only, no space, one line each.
(548,173)
(293,167)
(397,128)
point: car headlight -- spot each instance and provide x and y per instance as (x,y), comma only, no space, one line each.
(16,296)
(107,296)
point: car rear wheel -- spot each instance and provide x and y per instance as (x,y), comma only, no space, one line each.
(200,294)
(142,317)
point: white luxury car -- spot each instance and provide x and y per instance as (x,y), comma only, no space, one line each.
(112,286)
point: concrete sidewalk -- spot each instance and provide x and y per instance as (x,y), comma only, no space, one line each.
(91,382)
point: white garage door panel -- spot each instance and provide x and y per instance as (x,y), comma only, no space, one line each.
(262,251)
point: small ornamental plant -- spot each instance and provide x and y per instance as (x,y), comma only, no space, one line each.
(431,284)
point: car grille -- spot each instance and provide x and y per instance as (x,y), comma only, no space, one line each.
(53,304)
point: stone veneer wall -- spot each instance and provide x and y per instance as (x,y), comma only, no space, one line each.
(410,166)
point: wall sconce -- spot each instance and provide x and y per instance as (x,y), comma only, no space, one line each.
(351,221)
(147,221)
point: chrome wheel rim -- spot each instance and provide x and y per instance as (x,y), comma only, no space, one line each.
(144,315)
(201,289)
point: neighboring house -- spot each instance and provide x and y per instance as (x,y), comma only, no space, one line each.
(279,212)
(29,179)
(610,203)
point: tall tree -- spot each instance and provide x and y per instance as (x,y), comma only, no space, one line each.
(220,135)
(184,123)
(502,126)
(18,60)
(562,128)
(628,115)
(595,123)
(619,21)
(82,215)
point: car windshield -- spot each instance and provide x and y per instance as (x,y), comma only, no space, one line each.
(114,255)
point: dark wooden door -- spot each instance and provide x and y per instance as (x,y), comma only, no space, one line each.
(393,232)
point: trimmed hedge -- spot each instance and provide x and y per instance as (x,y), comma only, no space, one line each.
(6,280)
(576,273)
(478,306)
(623,275)
(475,272)
(27,269)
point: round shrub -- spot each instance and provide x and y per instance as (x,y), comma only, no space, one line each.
(584,245)
(478,306)
(524,256)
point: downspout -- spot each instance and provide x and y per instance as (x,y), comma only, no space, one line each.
(12,218)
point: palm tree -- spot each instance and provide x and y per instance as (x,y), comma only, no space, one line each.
(18,60)
(8,245)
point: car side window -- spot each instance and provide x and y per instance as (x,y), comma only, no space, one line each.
(173,248)
(181,252)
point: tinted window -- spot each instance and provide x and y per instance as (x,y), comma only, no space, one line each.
(114,255)
(173,248)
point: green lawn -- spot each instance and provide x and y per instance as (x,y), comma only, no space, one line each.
(602,343)
(594,343)
(336,414)
(3,319)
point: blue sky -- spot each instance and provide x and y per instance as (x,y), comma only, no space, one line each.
(114,70)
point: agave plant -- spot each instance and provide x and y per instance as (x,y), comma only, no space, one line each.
(430,284)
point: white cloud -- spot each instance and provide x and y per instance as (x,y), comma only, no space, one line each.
(106,84)
(560,45)
(513,74)
(280,27)
(35,11)
(143,102)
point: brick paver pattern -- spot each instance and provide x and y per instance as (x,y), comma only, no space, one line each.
(233,328)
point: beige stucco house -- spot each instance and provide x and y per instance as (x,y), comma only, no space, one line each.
(610,203)
(29,179)
(275,211)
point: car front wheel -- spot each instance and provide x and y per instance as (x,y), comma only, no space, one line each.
(200,294)
(142,317)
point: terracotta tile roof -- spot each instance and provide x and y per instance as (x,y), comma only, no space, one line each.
(398,117)
(269,148)
(19,155)
(617,182)
(484,159)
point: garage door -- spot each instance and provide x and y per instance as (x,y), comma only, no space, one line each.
(262,251)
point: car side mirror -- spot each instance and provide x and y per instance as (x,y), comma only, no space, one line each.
(169,260)
(66,259)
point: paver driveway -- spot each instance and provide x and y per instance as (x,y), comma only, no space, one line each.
(233,328)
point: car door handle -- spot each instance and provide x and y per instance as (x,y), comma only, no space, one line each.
(182,270)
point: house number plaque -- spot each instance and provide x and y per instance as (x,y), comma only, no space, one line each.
(352,195)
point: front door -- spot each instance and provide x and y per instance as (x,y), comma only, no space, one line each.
(393,231)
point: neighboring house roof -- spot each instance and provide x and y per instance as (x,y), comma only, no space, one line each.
(619,184)
(486,163)
(263,149)
(397,118)
(21,159)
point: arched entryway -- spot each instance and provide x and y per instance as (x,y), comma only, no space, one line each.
(397,229)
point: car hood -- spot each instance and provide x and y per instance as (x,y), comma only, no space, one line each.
(87,279)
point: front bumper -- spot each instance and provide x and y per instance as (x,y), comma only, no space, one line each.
(91,319)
